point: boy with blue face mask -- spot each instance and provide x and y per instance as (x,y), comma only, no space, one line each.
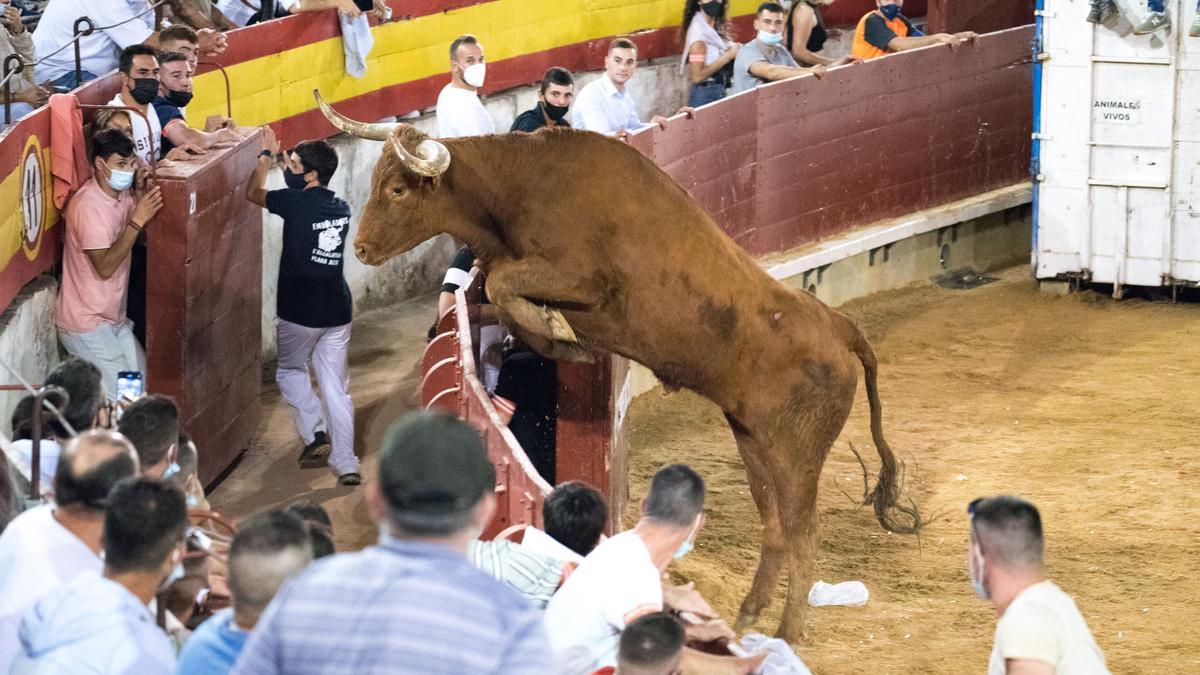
(104,218)
(765,59)
(887,30)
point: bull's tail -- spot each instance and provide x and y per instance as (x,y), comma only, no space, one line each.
(886,495)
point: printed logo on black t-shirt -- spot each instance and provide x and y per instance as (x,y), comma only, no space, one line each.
(329,242)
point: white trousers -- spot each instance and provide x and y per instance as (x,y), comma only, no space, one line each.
(112,347)
(327,349)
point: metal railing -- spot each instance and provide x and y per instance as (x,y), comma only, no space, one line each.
(40,400)
(79,32)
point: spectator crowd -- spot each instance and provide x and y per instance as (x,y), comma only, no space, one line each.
(120,566)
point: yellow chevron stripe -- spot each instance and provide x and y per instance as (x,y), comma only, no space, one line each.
(272,88)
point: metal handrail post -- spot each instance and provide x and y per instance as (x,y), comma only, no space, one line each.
(35,449)
(20,65)
(78,34)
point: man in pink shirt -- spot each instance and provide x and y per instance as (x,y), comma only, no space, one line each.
(103,220)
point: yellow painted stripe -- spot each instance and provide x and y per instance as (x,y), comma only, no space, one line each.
(275,87)
(12,219)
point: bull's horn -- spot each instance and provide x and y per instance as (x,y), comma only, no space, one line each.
(431,159)
(373,132)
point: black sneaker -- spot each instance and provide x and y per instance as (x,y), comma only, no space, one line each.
(350,479)
(316,454)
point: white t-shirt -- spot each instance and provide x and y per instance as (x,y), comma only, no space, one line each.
(141,135)
(98,52)
(1043,624)
(539,542)
(461,113)
(20,455)
(616,583)
(37,555)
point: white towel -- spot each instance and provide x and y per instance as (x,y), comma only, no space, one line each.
(357,42)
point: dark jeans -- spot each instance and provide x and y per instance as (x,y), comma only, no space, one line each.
(67,80)
(705,93)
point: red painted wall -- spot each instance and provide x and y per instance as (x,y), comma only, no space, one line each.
(981,16)
(796,161)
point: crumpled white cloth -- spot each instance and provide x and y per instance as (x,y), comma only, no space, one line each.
(845,593)
(357,42)
(781,660)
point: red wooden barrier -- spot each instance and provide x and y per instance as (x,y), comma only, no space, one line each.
(981,16)
(792,162)
(449,382)
(204,302)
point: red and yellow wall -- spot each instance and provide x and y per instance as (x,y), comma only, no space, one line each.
(274,67)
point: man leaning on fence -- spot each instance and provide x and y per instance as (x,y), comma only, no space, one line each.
(104,219)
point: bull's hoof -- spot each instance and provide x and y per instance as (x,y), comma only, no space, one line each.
(792,633)
(570,351)
(745,622)
(560,330)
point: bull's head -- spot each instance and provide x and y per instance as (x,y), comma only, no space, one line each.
(405,208)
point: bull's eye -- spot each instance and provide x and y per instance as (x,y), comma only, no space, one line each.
(399,191)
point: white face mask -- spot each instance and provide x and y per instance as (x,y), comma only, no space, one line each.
(977,577)
(475,74)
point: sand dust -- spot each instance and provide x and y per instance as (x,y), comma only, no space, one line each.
(1084,405)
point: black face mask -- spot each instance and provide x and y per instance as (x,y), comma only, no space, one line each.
(713,9)
(294,180)
(179,99)
(144,89)
(555,112)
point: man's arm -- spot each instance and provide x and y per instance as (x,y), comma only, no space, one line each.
(255,188)
(106,260)
(344,6)
(1027,667)
(772,73)
(181,134)
(900,44)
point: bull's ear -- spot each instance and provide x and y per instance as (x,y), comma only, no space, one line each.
(431,182)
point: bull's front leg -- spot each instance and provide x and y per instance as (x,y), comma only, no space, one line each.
(527,294)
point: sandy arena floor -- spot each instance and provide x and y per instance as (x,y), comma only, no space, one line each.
(1084,405)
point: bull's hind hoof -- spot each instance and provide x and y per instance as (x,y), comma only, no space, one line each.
(745,622)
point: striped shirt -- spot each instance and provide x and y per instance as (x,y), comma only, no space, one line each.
(399,607)
(536,576)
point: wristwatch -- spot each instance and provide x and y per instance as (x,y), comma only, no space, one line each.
(266,153)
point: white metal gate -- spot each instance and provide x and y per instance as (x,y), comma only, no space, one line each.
(1118,147)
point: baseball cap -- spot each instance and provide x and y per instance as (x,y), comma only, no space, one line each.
(435,464)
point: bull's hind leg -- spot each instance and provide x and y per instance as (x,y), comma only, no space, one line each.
(774,551)
(528,293)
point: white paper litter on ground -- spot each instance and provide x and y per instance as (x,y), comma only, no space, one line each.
(845,593)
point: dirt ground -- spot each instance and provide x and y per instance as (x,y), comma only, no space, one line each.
(385,353)
(1084,405)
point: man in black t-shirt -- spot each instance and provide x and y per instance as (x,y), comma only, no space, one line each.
(313,305)
(554,100)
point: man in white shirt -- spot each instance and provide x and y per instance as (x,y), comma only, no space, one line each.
(1040,631)
(459,110)
(98,51)
(45,547)
(574,515)
(139,87)
(622,578)
(604,106)
(80,379)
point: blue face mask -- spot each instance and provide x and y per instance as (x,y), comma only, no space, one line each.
(769,38)
(684,549)
(890,11)
(120,180)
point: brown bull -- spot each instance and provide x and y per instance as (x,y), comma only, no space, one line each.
(590,247)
